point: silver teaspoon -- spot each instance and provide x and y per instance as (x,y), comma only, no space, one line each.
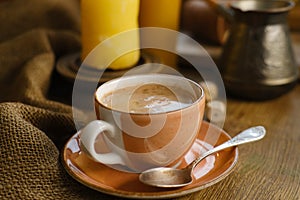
(172,177)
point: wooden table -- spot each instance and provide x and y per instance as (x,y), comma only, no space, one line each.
(267,169)
(270,168)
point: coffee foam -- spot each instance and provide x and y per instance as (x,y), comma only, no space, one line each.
(148,98)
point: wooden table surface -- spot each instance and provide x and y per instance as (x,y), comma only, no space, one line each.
(270,168)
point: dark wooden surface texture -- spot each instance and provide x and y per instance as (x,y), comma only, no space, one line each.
(270,168)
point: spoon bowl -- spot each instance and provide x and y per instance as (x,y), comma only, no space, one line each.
(172,177)
(167,177)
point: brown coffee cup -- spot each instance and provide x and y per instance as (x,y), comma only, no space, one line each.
(134,135)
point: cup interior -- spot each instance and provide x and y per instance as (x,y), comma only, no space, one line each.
(176,84)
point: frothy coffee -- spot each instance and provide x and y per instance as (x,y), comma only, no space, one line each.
(148,98)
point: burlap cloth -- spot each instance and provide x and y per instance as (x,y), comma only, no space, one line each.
(33,126)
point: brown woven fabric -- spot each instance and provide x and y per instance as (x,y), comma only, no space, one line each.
(33,128)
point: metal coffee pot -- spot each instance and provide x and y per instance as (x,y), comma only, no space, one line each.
(257,61)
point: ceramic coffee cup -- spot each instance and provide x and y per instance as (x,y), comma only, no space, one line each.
(144,121)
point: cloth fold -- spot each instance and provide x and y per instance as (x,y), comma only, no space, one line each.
(33,127)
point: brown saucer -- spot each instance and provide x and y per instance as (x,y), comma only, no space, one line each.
(107,180)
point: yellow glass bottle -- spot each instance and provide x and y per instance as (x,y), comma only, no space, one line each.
(163,14)
(102,19)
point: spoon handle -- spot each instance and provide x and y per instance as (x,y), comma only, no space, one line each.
(246,136)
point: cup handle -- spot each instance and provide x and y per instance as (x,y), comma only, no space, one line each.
(88,137)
